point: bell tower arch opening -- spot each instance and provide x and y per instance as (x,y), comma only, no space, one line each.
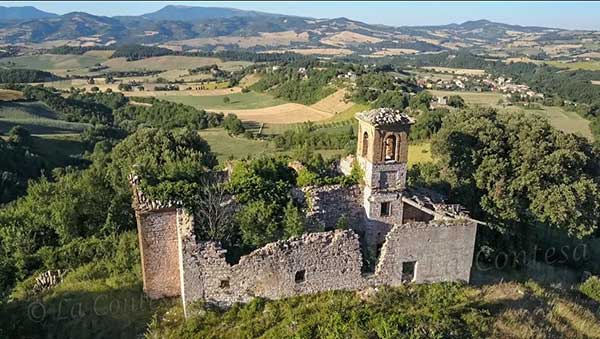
(365,144)
(390,148)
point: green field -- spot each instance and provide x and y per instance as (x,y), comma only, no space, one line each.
(250,100)
(419,153)
(569,122)
(35,117)
(471,98)
(227,147)
(51,62)
(585,65)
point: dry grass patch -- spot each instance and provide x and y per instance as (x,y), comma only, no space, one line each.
(169,62)
(10,95)
(265,39)
(395,51)
(345,38)
(462,71)
(315,51)
(282,114)
(333,103)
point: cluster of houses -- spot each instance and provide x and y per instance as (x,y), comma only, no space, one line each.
(480,84)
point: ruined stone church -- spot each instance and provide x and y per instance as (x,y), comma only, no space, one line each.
(415,235)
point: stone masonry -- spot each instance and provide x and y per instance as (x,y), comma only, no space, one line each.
(418,237)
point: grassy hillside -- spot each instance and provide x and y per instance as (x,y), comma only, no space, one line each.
(508,310)
(36,117)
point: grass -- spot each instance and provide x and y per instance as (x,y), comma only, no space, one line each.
(584,65)
(442,310)
(171,62)
(419,153)
(227,147)
(464,71)
(9,95)
(349,113)
(248,100)
(569,122)
(35,117)
(566,121)
(59,64)
(57,148)
(472,98)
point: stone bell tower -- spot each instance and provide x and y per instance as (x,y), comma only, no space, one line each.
(382,152)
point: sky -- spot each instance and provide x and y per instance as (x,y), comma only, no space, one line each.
(566,14)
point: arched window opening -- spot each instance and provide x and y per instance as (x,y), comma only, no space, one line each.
(390,148)
(365,144)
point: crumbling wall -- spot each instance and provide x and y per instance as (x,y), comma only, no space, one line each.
(157,233)
(311,263)
(326,204)
(441,250)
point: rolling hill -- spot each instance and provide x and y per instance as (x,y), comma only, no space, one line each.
(210,28)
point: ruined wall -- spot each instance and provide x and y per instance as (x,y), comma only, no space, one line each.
(157,233)
(442,250)
(310,263)
(327,203)
(411,213)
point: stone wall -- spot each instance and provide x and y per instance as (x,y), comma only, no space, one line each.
(441,251)
(311,263)
(157,233)
(327,203)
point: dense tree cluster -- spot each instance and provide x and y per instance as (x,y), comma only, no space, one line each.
(317,138)
(165,114)
(19,75)
(137,52)
(517,171)
(298,84)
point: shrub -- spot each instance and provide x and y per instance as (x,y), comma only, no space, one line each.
(591,288)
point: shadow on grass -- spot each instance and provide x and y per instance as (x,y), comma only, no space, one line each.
(122,312)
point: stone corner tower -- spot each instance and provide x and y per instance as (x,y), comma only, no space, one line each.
(382,152)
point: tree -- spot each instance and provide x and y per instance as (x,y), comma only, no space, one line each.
(20,136)
(421,101)
(94,89)
(518,171)
(456,101)
(171,163)
(214,213)
(293,223)
(233,124)
(226,100)
(258,224)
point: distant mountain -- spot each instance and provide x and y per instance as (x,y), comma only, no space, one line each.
(23,13)
(192,13)
(210,28)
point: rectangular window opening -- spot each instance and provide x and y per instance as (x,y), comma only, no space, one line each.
(386,209)
(409,269)
(224,283)
(299,276)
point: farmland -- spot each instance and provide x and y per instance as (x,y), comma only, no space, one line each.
(171,62)
(36,117)
(250,100)
(561,119)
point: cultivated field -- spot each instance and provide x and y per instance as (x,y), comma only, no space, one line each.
(472,98)
(284,38)
(58,64)
(9,95)
(170,62)
(345,38)
(585,65)
(315,51)
(461,71)
(250,100)
(569,122)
